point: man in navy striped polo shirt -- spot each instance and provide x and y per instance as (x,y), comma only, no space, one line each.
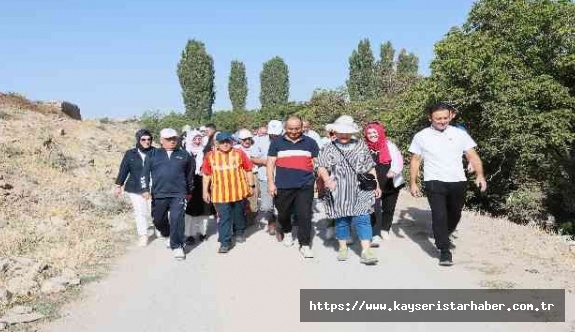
(290,170)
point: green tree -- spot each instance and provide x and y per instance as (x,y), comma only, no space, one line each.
(362,82)
(238,85)
(407,64)
(324,107)
(196,75)
(511,69)
(274,83)
(385,69)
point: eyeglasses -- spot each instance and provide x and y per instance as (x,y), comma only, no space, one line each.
(145,139)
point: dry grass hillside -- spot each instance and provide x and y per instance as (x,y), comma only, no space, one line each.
(59,221)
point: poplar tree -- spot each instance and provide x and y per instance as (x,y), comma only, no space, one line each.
(196,75)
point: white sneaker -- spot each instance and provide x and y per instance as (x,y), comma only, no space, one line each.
(385,236)
(143,241)
(306,252)
(179,254)
(158,234)
(288,240)
(167,242)
(376,241)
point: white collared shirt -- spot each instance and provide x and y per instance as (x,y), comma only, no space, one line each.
(442,153)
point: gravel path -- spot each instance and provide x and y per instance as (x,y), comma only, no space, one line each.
(256,286)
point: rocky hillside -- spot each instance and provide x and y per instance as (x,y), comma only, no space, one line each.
(59,221)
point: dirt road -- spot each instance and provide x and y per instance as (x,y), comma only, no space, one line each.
(256,286)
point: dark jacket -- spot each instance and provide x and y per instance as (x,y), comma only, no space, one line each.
(171,177)
(131,169)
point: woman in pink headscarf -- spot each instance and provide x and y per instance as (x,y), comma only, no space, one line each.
(389,166)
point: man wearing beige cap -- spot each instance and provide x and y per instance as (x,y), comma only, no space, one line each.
(172,171)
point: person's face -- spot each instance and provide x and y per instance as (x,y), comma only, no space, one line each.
(263,131)
(145,141)
(197,140)
(246,143)
(306,126)
(294,129)
(452,115)
(372,135)
(440,119)
(343,138)
(210,132)
(169,143)
(225,146)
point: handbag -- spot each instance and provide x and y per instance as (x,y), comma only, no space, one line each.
(366,181)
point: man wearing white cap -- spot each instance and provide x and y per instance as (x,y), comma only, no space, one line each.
(172,171)
(262,145)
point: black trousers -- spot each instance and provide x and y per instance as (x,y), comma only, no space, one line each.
(382,217)
(300,201)
(175,227)
(446,200)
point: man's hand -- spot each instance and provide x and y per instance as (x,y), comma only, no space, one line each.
(272,190)
(481,183)
(146,196)
(207,197)
(118,191)
(250,191)
(415,192)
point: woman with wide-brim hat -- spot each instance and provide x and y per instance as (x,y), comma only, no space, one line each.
(339,163)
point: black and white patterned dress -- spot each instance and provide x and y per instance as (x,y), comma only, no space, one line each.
(347,199)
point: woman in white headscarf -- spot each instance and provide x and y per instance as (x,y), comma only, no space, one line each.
(196,214)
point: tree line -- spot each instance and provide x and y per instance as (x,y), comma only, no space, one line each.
(509,70)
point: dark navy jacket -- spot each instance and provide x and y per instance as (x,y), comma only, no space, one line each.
(131,169)
(171,177)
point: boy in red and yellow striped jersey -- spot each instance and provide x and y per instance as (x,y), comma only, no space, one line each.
(229,173)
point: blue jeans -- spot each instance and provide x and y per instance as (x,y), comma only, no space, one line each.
(232,221)
(362,225)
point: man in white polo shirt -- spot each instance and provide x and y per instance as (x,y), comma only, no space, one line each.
(441,147)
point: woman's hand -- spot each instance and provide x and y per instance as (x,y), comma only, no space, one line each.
(377,192)
(207,197)
(330,184)
(391,174)
(118,191)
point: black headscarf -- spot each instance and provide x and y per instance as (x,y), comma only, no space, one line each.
(139,134)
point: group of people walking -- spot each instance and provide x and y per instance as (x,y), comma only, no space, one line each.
(274,173)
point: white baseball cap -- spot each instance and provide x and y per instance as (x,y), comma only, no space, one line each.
(168,132)
(275,127)
(244,133)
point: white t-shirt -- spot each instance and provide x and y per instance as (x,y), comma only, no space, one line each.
(442,153)
(261,147)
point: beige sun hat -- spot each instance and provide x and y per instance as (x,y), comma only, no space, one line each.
(343,125)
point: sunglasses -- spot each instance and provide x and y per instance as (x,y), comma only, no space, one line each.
(145,139)
(171,138)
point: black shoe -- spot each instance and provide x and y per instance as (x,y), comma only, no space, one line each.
(240,239)
(451,244)
(190,240)
(445,258)
(202,238)
(224,249)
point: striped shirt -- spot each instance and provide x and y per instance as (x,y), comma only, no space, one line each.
(228,172)
(347,200)
(294,163)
